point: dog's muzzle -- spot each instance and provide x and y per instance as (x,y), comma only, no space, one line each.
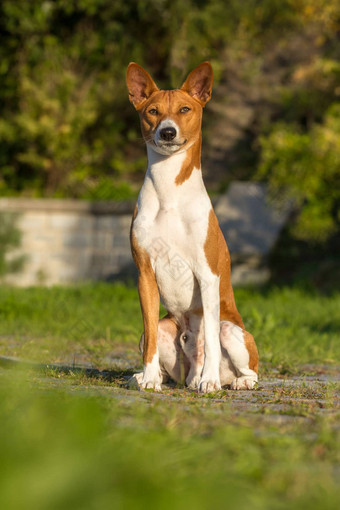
(167,138)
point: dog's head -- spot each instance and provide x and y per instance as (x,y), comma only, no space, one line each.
(170,119)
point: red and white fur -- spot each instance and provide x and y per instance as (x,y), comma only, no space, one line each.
(180,251)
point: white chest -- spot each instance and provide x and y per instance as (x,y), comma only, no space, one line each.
(171,225)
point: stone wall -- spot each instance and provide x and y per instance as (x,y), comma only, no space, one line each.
(67,240)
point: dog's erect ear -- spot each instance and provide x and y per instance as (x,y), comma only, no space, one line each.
(140,84)
(199,83)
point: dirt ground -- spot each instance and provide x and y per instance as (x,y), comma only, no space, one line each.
(310,391)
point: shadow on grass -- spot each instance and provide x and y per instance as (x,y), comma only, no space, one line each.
(117,376)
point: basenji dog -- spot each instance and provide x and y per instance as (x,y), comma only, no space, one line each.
(179,249)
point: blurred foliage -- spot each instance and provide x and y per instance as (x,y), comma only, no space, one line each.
(306,166)
(10,238)
(68,130)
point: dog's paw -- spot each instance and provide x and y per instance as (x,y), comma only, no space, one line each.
(210,380)
(152,380)
(151,385)
(135,381)
(209,385)
(193,382)
(152,377)
(245,382)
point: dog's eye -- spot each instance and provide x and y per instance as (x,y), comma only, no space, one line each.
(185,109)
(153,111)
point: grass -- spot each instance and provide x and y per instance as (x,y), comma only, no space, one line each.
(60,323)
(85,448)
(291,325)
(78,441)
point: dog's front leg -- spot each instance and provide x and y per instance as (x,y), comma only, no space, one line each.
(210,380)
(149,300)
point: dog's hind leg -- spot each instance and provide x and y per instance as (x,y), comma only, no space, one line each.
(242,352)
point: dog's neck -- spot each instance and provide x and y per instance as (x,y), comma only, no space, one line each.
(169,173)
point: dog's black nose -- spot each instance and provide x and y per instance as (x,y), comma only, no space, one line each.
(167,133)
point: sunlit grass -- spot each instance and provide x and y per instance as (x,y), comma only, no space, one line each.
(291,325)
(80,442)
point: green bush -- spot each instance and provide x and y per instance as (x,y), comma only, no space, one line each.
(9,239)
(306,166)
(67,128)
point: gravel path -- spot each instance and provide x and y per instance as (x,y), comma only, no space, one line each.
(277,399)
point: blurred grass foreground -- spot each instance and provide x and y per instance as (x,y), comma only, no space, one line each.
(70,440)
(69,447)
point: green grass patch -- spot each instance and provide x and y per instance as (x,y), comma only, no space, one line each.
(81,440)
(91,448)
(92,322)
(73,323)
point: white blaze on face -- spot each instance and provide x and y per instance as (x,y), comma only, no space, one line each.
(167,147)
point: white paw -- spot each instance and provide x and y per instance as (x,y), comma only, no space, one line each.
(245,382)
(151,385)
(152,380)
(210,379)
(193,382)
(152,376)
(209,385)
(135,381)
